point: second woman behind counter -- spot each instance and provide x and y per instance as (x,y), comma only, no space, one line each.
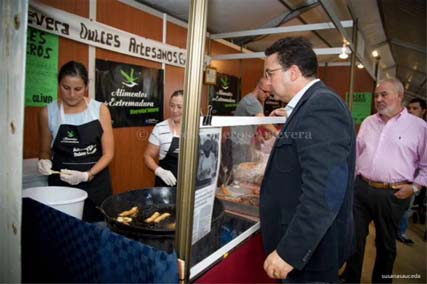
(164,144)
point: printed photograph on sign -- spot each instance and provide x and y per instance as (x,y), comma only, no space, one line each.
(208,159)
(134,94)
(206,181)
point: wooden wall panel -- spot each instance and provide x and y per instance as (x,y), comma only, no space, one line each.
(230,67)
(174,76)
(127,18)
(78,7)
(252,71)
(31,132)
(338,78)
(176,35)
(174,80)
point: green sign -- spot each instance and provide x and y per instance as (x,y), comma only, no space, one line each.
(41,83)
(361,107)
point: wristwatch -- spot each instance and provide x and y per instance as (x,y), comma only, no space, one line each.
(415,188)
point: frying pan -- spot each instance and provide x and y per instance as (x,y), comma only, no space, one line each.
(148,201)
(161,235)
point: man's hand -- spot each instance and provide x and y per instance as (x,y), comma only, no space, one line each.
(403,191)
(73,177)
(166,176)
(279,112)
(276,267)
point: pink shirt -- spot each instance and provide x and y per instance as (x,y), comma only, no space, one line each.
(393,151)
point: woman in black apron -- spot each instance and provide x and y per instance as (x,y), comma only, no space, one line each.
(164,144)
(83,144)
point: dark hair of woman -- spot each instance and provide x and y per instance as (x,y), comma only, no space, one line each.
(177,93)
(74,69)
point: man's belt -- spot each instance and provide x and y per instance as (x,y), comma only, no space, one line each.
(381,185)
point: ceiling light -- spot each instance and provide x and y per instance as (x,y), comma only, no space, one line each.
(375,54)
(343,54)
(360,65)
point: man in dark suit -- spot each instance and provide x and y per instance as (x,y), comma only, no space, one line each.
(306,194)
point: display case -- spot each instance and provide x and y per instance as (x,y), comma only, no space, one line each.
(238,186)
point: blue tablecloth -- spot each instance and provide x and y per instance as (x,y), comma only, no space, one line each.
(59,248)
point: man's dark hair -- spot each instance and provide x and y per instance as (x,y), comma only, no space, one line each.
(74,69)
(420,101)
(295,51)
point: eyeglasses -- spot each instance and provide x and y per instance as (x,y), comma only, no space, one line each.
(269,72)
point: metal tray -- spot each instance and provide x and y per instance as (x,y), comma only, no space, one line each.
(239,207)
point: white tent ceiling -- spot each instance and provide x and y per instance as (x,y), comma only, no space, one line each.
(395,28)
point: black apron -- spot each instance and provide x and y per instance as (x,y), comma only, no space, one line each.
(169,162)
(78,147)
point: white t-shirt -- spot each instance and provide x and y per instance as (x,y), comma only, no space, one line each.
(92,112)
(161,136)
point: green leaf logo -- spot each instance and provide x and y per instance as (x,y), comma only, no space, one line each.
(225,82)
(70,134)
(129,79)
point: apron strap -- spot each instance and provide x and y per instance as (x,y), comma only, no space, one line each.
(173,131)
(88,112)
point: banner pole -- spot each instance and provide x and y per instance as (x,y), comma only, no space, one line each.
(189,140)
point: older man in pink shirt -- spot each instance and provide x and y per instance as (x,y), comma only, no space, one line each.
(391,166)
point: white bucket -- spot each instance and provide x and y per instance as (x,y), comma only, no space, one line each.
(69,200)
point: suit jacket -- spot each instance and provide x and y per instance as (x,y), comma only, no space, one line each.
(306,195)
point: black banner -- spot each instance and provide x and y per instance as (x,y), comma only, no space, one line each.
(134,94)
(225,95)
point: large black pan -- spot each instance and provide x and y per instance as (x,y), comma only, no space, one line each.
(161,235)
(148,201)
